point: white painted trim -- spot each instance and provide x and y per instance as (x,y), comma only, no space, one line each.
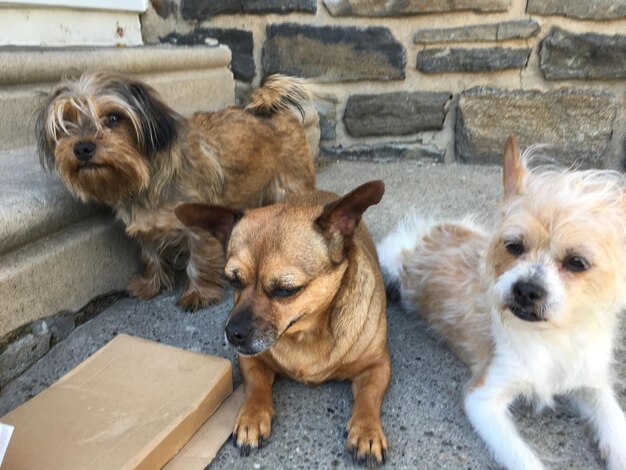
(59,27)
(109,5)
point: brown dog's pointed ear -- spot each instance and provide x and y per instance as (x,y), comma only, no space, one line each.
(514,168)
(340,219)
(218,221)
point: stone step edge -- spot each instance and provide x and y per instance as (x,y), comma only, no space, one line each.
(35,204)
(64,271)
(23,347)
(42,65)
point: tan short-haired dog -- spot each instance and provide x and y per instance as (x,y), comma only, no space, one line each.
(114,141)
(309,305)
(532,308)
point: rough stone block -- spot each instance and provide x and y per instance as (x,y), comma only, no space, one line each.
(333,53)
(384,152)
(239,41)
(483,32)
(410,7)
(327,111)
(487,59)
(203,9)
(579,9)
(575,125)
(395,113)
(566,55)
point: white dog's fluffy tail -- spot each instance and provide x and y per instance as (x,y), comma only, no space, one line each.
(392,251)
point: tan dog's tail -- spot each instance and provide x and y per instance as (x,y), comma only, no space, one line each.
(279,93)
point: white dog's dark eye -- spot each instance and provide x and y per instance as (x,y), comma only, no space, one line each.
(283,292)
(515,247)
(576,264)
(113,119)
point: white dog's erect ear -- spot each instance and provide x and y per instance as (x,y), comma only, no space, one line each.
(514,168)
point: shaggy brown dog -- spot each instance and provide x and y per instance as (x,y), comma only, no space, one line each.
(112,140)
(309,305)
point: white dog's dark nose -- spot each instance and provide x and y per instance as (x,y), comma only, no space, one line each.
(528,294)
(84,150)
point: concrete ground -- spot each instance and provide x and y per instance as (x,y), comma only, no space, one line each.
(422,413)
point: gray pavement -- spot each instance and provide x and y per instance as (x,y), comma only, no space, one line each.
(422,413)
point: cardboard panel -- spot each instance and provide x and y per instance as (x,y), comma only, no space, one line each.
(205,444)
(133,404)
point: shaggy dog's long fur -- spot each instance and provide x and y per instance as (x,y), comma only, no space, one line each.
(114,141)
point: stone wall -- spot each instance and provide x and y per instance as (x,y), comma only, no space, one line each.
(423,79)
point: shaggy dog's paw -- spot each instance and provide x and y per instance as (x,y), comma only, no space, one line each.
(192,299)
(142,287)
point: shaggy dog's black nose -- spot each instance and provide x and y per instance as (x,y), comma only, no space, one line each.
(84,150)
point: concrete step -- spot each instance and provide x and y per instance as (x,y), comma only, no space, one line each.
(57,253)
(64,270)
(189,79)
(33,203)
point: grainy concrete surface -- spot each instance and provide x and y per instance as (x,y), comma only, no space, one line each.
(422,413)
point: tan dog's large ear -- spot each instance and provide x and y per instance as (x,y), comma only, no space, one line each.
(218,221)
(514,168)
(340,219)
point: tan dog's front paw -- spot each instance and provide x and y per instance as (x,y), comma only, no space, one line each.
(367,442)
(252,429)
(141,287)
(191,299)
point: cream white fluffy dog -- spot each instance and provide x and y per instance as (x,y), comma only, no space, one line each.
(531,308)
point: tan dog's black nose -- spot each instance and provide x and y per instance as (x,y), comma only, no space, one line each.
(238,328)
(84,150)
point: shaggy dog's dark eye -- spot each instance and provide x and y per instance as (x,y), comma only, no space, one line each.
(235,282)
(515,247)
(576,264)
(113,119)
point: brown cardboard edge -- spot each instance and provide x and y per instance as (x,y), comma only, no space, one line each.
(204,445)
(169,442)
